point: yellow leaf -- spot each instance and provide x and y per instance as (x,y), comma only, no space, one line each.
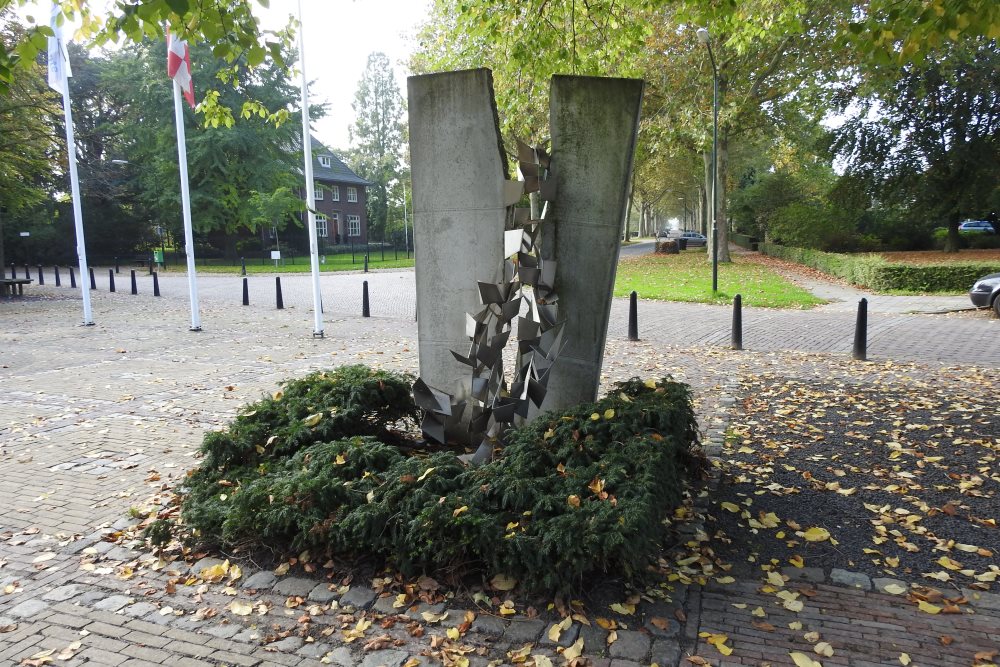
(426,472)
(609,413)
(894,589)
(605,623)
(313,419)
(795,625)
(596,485)
(507,609)
(905,659)
(775,579)
(623,609)
(548,434)
(541,660)
(573,500)
(946,562)
(463,508)
(558,628)
(595,417)
(651,384)
(797,561)
(412,662)
(235,572)
(803,660)
(240,608)
(340,460)
(927,607)
(824,649)
(816,534)
(732,507)
(502,582)
(282,569)
(725,580)
(758,612)
(431,617)
(453,634)
(574,651)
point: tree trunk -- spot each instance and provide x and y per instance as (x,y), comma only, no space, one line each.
(952,242)
(707,221)
(628,209)
(723,213)
(702,211)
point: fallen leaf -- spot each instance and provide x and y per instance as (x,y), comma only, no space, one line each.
(431,617)
(894,589)
(815,534)
(502,582)
(824,649)
(240,607)
(803,660)
(904,658)
(558,628)
(541,660)
(928,608)
(574,651)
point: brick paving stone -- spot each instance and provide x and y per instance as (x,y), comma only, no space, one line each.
(28,609)
(594,640)
(663,628)
(383,605)
(488,625)
(631,645)
(260,580)
(982,600)
(112,603)
(321,593)
(359,597)
(666,652)
(314,650)
(384,658)
(204,564)
(223,631)
(296,586)
(62,593)
(340,657)
(288,644)
(139,609)
(523,630)
(851,579)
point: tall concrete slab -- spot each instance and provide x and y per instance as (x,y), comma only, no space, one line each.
(458,172)
(594,123)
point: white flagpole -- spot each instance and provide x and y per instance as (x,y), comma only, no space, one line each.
(310,188)
(58,73)
(186,206)
(74,180)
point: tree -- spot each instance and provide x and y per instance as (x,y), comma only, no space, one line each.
(928,136)
(227,27)
(378,133)
(27,143)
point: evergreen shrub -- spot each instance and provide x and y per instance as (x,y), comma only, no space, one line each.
(574,492)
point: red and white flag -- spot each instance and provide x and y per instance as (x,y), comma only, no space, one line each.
(179,66)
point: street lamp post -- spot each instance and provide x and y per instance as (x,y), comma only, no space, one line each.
(706,39)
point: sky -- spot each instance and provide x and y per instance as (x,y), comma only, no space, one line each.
(339,36)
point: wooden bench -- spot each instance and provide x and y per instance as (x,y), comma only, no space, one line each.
(13,286)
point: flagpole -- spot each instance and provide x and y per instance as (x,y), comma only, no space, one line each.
(74,180)
(310,188)
(186,207)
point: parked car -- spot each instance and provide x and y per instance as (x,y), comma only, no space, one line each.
(986,293)
(980,226)
(667,234)
(694,239)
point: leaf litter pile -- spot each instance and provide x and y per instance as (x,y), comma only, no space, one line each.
(888,469)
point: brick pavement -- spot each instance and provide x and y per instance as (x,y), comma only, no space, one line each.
(98,419)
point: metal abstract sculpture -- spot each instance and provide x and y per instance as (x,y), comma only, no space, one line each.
(494,403)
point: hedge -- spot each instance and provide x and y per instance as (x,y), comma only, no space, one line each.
(876,273)
(320,466)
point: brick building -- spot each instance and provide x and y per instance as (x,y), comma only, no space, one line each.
(341,198)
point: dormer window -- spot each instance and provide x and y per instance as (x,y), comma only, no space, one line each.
(325,161)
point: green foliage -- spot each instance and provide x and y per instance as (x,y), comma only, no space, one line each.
(574,492)
(875,272)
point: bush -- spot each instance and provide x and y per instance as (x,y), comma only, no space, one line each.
(875,272)
(573,493)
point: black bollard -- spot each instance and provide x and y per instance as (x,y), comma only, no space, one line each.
(55,270)
(633,316)
(365,310)
(117,268)
(72,278)
(861,332)
(13,271)
(41,276)
(27,272)
(737,339)
(93,281)
(352,252)
(243,271)
(277,291)
(246,293)
(366,262)
(135,288)
(111,280)
(156,284)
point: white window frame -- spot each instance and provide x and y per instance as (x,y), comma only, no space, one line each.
(325,161)
(334,193)
(317,191)
(322,229)
(352,194)
(354,225)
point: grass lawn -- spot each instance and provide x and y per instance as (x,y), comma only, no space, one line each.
(341,262)
(688,277)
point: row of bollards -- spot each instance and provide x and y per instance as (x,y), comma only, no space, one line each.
(93,280)
(280,302)
(860,351)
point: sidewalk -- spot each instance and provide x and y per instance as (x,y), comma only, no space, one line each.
(98,420)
